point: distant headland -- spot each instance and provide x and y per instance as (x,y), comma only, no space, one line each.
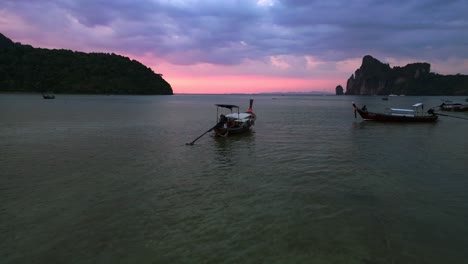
(377,78)
(27,69)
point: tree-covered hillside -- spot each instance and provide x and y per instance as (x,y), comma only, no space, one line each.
(27,69)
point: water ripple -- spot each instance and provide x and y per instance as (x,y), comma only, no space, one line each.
(113,181)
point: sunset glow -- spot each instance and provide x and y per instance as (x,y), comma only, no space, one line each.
(248,84)
(249,46)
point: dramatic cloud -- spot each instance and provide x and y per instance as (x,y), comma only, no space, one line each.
(280,38)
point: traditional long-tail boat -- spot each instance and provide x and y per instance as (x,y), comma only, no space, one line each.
(398,114)
(48,96)
(231,124)
(455,107)
(235,122)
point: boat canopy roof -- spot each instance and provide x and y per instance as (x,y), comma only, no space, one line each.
(227,106)
(406,110)
(242,116)
(401,110)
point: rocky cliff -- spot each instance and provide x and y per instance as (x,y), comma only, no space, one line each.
(339,90)
(377,78)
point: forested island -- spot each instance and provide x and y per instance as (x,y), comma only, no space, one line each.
(377,78)
(24,68)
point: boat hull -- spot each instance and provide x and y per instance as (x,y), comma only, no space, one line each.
(454,107)
(392,118)
(232,131)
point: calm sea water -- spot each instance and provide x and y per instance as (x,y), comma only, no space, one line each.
(109,179)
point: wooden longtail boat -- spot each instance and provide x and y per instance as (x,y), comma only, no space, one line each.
(455,107)
(48,96)
(398,115)
(235,122)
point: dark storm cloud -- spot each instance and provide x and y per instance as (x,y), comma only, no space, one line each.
(228,32)
(395,28)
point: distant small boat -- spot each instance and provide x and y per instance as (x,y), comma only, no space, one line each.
(455,107)
(48,96)
(234,122)
(397,114)
(385,98)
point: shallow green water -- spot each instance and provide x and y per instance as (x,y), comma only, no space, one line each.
(109,179)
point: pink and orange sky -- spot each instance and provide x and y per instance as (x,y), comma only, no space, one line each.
(249,46)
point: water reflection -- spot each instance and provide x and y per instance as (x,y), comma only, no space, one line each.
(229,151)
